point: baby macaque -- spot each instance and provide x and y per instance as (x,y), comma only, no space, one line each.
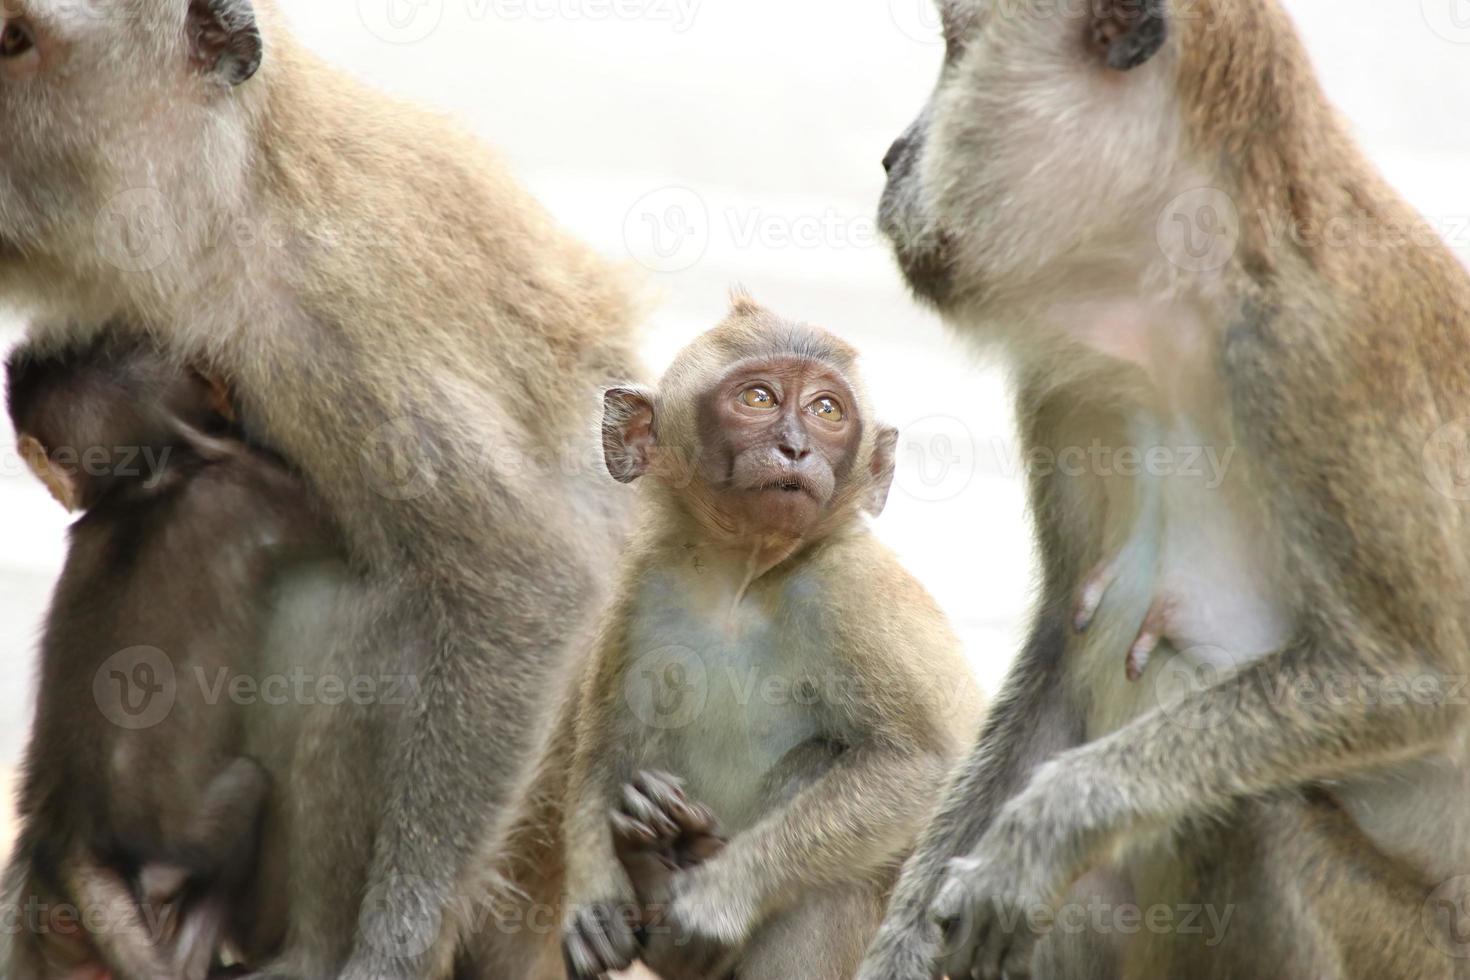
(140,814)
(766,649)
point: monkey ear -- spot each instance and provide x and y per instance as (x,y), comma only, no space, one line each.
(224,39)
(1126,33)
(881,467)
(61,484)
(627,432)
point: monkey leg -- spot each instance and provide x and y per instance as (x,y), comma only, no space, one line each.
(823,937)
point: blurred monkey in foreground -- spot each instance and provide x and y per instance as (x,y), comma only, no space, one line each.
(1142,203)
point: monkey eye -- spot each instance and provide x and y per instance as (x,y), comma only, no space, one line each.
(827,409)
(758,397)
(16,39)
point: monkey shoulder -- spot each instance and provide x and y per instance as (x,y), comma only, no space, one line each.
(877,617)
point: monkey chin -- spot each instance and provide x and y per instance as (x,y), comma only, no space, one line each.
(777,511)
(923,255)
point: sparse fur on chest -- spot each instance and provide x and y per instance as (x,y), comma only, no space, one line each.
(721,684)
(1158,492)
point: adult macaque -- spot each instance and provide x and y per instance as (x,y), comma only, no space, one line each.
(140,810)
(1134,201)
(405,327)
(769,651)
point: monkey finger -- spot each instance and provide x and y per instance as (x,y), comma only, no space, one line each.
(1016,963)
(962,942)
(665,792)
(628,831)
(639,806)
(598,941)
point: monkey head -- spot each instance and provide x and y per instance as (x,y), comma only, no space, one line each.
(759,430)
(110,413)
(1050,134)
(124,113)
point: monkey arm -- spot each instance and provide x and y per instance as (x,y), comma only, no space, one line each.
(601,902)
(1029,723)
(1254,733)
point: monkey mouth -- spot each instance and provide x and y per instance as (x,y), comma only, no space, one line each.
(786,485)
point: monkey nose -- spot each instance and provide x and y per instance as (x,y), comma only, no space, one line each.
(894,154)
(792,451)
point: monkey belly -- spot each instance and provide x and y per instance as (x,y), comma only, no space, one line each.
(736,743)
(1205,556)
(719,695)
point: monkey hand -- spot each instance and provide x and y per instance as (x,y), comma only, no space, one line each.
(904,949)
(657,832)
(599,938)
(994,905)
(703,929)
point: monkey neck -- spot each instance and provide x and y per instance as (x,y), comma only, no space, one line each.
(721,552)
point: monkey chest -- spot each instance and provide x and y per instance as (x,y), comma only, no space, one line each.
(721,702)
(1196,590)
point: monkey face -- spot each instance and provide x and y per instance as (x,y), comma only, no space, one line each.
(759,428)
(777,436)
(108,107)
(1052,128)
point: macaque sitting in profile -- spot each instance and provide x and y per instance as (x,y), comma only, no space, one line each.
(140,813)
(767,653)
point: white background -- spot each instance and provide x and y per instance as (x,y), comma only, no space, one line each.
(754,129)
